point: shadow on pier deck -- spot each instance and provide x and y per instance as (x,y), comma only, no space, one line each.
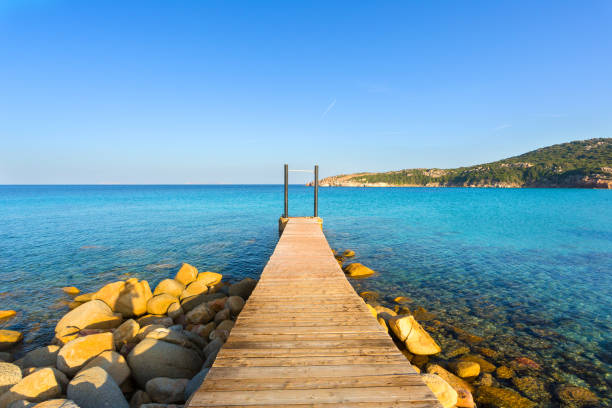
(305,338)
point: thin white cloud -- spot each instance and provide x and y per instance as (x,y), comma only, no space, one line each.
(329,107)
(503,126)
(551,115)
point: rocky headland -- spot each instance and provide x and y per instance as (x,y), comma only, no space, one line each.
(580,164)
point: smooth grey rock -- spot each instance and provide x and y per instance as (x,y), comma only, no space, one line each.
(139,398)
(10,374)
(234,304)
(213,347)
(156,358)
(6,357)
(243,288)
(195,382)
(95,388)
(167,390)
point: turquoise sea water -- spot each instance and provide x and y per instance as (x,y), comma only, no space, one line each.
(529,270)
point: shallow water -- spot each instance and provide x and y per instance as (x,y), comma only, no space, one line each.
(529,270)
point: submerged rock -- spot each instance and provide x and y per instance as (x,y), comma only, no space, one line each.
(71,290)
(502,398)
(417,340)
(348,253)
(484,364)
(504,372)
(576,396)
(466,369)
(357,270)
(95,388)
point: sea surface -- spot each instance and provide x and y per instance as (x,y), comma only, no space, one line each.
(528,270)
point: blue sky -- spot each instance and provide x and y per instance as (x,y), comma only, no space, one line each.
(226,92)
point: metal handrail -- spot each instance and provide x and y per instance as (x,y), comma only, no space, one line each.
(316,189)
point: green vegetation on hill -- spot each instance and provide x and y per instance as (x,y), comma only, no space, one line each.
(585,163)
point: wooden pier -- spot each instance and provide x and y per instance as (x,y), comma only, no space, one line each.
(305,338)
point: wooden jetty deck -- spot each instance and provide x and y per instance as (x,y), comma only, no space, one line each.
(305,338)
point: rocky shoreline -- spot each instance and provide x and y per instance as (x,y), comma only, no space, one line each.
(126,346)
(457,365)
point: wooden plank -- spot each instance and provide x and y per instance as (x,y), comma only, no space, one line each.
(331,395)
(313,383)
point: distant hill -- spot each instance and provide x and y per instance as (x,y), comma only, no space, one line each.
(582,164)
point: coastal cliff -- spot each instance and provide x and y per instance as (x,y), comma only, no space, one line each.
(579,164)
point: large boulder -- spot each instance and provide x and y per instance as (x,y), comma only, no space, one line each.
(95,388)
(440,388)
(167,390)
(153,358)
(114,364)
(76,353)
(417,340)
(94,314)
(9,338)
(110,293)
(126,333)
(10,374)
(171,287)
(159,304)
(39,386)
(209,278)
(40,357)
(133,298)
(186,274)
(243,288)
(195,288)
(357,270)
